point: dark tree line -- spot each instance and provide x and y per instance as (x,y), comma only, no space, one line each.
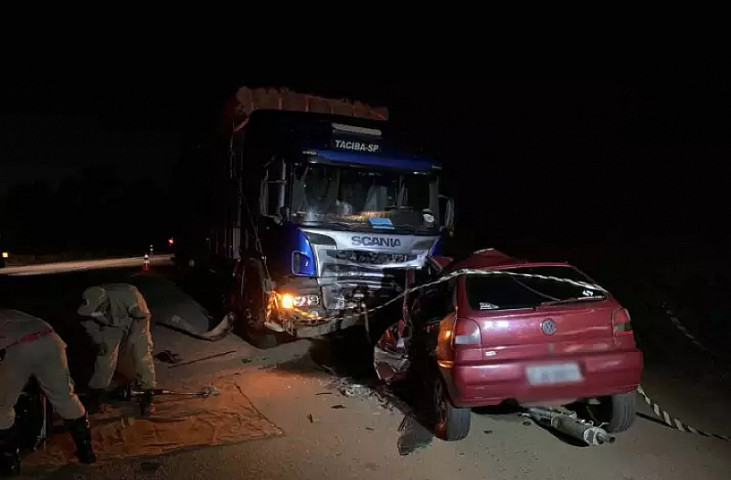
(93,211)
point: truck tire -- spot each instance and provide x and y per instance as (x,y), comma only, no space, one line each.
(450,423)
(255,303)
(616,411)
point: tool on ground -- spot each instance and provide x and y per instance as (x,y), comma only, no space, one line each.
(129,392)
(567,422)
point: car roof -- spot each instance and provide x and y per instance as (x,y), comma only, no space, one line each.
(490,258)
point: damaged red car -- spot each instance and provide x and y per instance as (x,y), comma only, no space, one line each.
(498,329)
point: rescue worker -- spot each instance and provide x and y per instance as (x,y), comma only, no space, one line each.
(30,348)
(120,319)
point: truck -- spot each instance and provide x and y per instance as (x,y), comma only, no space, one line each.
(319,213)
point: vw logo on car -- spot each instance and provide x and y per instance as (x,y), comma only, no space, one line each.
(548,326)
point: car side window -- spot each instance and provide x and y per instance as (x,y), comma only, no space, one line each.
(434,303)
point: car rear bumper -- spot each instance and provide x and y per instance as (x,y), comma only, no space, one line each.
(491,383)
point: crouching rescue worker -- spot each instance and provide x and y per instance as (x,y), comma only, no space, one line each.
(120,320)
(30,348)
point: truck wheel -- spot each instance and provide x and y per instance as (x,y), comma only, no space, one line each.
(255,302)
(261,339)
(450,422)
(617,411)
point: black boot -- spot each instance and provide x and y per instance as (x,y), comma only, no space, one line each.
(9,452)
(93,400)
(146,407)
(81,434)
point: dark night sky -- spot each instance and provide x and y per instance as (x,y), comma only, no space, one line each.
(526,162)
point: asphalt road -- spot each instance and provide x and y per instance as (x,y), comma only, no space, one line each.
(76,265)
(289,387)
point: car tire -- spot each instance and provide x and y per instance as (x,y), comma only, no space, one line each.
(617,412)
(450,422)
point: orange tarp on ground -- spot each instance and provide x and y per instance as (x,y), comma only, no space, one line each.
(178,423)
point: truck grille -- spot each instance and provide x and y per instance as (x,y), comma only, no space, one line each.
(370,258)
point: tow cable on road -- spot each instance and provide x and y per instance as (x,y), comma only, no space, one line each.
(676,423)
(677,323)
(661,413)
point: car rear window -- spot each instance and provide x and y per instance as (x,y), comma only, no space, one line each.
(502,292)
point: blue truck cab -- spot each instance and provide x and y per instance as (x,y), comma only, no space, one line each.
(323,216)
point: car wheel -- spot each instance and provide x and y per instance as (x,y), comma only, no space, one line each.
(450,422)
(617,412)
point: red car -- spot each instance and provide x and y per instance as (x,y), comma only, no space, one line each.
(539,334)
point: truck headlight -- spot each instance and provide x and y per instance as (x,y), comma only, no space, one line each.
(299,301)
(287,301)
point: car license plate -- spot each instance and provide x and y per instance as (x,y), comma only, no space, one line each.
(552,374)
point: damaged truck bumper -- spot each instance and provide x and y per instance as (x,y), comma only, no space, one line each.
(308,327)
(309,331)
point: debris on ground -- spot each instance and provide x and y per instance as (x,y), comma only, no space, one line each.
(402,425)
(245,360)
(166,356)
(355,390)
(324,393)
(371,429)
(488,432)
(380,392)
(309,417)
(337,407)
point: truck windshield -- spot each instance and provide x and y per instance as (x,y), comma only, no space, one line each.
(361,198)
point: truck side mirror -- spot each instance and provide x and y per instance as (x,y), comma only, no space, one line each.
(446,212)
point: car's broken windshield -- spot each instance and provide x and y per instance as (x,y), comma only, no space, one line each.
(359,198)
(502,292)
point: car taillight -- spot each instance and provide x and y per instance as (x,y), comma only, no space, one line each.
(467,332)
(621,322)
(445,350)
